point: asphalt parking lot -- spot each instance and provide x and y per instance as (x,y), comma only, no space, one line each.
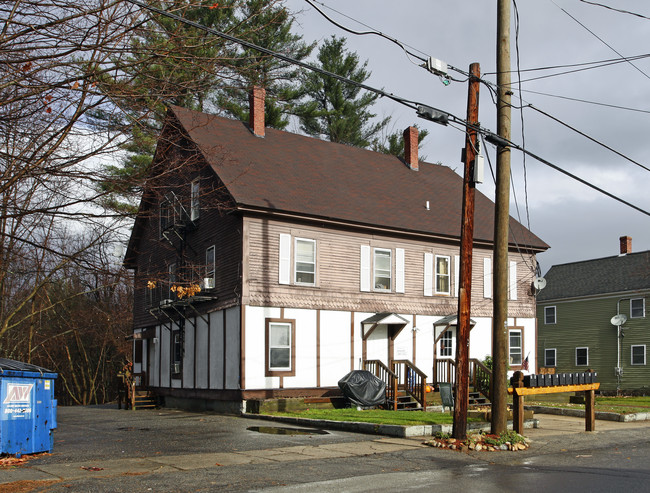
(105,449)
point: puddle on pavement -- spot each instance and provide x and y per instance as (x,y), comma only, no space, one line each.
(278,430)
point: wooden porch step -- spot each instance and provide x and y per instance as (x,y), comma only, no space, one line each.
(144,400)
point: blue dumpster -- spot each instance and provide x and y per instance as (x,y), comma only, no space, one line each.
(27,407)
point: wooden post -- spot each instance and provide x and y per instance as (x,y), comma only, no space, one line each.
(517,403)
(466,245)
(501,226)
(590,409)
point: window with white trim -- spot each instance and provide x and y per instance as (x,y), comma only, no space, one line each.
(637,354)
(280,347)
(177,353)
(305,261)
(487,277)
(512,281)
(446,346)
(637,308)
(195,208)
(582,356)
(378,272)
(210,270)
(297,261)
(550,357)
(550,315)
(515,347)
(382,267)
(442,274)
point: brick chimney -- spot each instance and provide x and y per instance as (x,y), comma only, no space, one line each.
(626,244)
(411,148)
(256,111)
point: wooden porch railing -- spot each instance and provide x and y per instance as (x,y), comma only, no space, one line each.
(412,380)
(481,376)
(381,371)
(445,371)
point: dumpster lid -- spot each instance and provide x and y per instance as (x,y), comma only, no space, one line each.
(13,365)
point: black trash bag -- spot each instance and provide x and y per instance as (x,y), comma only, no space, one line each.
(362,388)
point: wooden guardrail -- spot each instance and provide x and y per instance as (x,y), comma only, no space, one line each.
(386,375)
(412,380)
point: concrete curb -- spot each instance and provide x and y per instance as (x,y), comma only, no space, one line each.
(580,413)
(377,429)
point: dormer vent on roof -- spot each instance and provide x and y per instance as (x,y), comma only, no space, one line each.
(256,111)
(411,148)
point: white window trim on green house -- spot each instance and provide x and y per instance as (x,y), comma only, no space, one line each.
(642,352)
(547,317)
(639,310)
(547,352)
(586,356)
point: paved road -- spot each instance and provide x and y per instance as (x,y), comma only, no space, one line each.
(99,449)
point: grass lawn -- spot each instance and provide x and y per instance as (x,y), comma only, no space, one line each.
(621,405)
(403,418)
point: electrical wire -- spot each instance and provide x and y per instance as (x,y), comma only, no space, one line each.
(599,38)
(379,33)
(589,137)
(615,9)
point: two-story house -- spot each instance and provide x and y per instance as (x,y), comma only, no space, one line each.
(592,315)
(311,258)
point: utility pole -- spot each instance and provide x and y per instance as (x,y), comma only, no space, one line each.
(501,226)
(466,246)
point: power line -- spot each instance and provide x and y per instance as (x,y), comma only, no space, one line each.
(600,39)
(615,9)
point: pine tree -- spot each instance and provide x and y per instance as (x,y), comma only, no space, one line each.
(339,111)
(266,24)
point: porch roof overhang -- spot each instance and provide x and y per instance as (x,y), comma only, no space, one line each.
(394,322)
(445,322)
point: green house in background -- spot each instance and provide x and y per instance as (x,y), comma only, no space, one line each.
(577,323)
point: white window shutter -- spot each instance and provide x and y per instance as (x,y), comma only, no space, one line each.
(512,274)
(399,270)
(456,274)
(365,268)
(428,274)
(487,277)
(285,259)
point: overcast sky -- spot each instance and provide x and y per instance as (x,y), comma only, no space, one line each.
(577,222)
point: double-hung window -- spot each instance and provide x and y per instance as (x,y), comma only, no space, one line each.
(515,347)
(305,261)
(443,276)
(177,353)
(210,270)
(280,347)
(550,357)
(195,190)
(582,356)
(382,264)
(550,315)
(637,308)
(638,354)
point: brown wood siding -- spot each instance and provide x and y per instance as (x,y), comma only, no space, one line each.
(338,273)
(216,225)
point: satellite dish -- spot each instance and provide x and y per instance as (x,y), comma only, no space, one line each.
(618,320)
(539,283)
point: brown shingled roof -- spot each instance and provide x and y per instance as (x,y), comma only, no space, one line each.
(296,174)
